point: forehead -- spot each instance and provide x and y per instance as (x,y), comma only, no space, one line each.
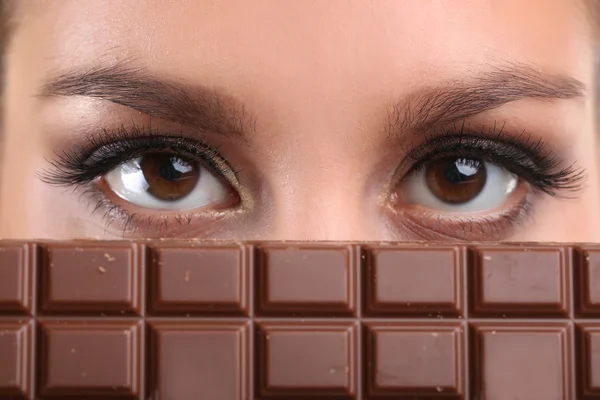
(335,42)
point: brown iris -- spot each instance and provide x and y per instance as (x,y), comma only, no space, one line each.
(169,178)
(456,180)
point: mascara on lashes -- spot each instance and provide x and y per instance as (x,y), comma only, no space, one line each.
(102,153)
(530,160)
(527,158)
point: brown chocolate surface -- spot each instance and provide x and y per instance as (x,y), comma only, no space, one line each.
(94,357)
(284,274)
(16,279)
(179,321)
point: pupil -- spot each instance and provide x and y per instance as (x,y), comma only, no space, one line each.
(173,169)
(462,171)
(168,172)
(453,175)
(168,177)
(456,181)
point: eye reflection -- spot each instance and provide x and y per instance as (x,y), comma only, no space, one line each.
(165,181)
(459,185)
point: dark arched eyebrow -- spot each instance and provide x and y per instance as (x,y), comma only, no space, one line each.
(212,110)
(430,107)
(202,108)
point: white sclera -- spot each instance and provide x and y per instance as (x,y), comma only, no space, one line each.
(128,182)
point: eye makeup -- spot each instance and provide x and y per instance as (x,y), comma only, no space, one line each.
(100,153)
(531,159)
(539,171)
(86,166)
(539,168)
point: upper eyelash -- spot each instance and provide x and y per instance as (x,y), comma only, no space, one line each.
(105,151)
(529,159)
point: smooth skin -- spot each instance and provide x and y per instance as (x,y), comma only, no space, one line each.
(316,81)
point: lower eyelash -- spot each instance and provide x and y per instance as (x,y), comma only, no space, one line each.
(132,222)
(484,228)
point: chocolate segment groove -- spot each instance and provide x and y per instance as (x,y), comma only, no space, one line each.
(215,320)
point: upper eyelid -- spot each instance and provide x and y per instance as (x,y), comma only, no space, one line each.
(469,143)
(547,171)
(80,163)
(183,144)
(469,151)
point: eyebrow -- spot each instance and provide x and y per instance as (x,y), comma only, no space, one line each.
(432,107)
(202,108)
(213,111)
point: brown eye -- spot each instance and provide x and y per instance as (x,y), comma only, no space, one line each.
(456,180)
(169,177)
(164,181)
(455,184)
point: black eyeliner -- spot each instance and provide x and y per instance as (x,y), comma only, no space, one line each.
(103,152)
(531,160)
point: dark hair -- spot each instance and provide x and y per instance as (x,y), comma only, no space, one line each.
(5,13)
(4,23)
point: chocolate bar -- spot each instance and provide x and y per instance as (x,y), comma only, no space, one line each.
(194,320)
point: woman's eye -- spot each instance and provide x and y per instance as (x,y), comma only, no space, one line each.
(165,181)
(457,184)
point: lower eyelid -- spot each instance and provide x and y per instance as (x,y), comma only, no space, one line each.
(414,219)
(428,225)
(121,219)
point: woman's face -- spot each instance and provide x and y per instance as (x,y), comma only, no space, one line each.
(323,120)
